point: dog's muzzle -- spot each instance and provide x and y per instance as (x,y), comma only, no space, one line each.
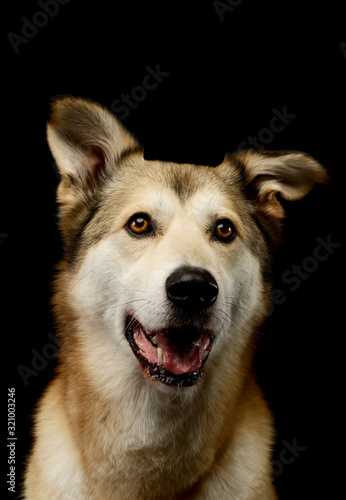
(177,354)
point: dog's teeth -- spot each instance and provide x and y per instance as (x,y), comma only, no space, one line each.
(154,339)
(160,355)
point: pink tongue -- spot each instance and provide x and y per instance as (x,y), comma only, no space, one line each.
(178,360)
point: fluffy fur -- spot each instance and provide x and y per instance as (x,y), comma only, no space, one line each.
(105,429)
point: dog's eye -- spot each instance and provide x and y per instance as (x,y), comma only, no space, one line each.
(140,224)
(224,230)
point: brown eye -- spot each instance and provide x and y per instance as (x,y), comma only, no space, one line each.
(139,224)
(224,230)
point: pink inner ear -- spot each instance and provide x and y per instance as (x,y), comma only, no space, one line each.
(95,161)
(269,204)
(273,210)
(94,164)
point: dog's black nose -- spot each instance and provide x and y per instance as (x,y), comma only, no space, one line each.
(192,288)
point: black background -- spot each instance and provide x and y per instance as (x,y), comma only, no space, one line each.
(225,78)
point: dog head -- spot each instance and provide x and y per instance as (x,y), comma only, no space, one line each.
(169,261)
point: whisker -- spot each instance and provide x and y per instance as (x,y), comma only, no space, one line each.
(80,279)
(151,267)
(129,302)
(232,323)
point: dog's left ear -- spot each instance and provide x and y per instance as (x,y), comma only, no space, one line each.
(86,141)
(267,174)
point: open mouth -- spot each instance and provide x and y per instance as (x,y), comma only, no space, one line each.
(171,356)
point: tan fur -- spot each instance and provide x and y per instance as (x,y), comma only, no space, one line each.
(104,430)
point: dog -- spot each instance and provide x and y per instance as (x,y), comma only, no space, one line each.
(159,302)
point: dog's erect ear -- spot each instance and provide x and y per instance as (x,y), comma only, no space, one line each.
(269,173)
(86,141)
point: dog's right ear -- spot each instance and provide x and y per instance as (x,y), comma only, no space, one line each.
(86,141)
